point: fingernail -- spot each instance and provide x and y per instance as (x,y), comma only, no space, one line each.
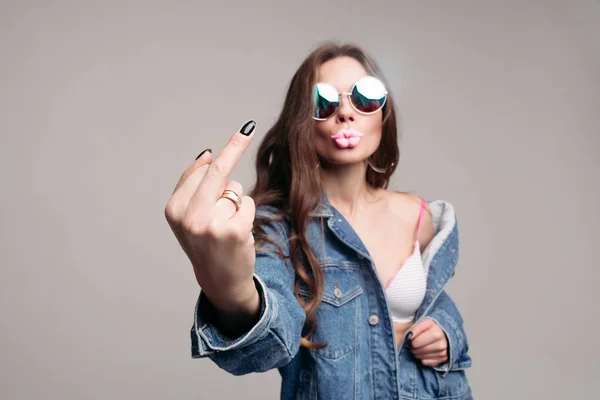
(200,155)
(409,335)
(248,128)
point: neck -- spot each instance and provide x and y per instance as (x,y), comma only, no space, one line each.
(346,188)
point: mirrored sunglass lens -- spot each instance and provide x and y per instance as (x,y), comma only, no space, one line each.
(326,100)
(368,94)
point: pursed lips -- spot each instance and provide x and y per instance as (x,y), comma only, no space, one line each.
(347,138)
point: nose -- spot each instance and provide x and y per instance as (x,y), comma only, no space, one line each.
(345,112)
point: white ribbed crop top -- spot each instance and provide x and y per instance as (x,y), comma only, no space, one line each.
(406,290)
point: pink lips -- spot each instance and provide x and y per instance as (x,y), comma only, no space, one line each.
(347,138)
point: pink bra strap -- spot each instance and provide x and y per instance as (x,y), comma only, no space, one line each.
(423,207)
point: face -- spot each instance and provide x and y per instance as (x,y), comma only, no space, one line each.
(347,137)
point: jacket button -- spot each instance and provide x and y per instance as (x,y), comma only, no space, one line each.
(373,320)
(337,292)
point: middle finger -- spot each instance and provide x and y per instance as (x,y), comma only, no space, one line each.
(214,182)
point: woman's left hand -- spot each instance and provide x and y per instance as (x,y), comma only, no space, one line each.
(429,343)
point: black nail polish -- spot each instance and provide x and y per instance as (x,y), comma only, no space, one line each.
(248,128)
(200,155)
(409,335)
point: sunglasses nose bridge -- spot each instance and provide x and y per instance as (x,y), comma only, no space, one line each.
(345,107)
(344,94)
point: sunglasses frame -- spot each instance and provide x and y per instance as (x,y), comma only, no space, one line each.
(349,94)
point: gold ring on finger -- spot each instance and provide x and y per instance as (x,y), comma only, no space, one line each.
(234,197)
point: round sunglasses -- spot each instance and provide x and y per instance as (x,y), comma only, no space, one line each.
(368,95)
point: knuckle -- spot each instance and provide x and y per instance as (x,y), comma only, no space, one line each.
(236,141)
(213,230)
(194,226)
(171,211)
(191,227)
(235,233)
(175,211)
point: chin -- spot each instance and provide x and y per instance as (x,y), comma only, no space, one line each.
(344,157)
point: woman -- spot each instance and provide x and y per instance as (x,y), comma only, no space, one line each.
(322,272)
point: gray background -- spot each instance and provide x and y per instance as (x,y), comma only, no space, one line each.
(104,104)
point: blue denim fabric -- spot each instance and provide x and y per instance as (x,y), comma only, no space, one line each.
(361,360)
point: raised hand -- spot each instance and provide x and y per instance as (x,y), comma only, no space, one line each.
(212,221)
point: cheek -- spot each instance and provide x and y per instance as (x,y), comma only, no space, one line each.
(323,132)
(376,122)
(323,128)
(373,125)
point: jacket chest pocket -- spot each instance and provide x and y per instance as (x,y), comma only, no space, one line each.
(338,314)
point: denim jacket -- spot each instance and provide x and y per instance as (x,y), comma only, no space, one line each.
(361,360)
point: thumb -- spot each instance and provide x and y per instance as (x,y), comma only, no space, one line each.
(419,328)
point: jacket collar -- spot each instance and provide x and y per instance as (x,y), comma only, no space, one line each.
(445,228)
(439,257)
(323,209)
(444,222)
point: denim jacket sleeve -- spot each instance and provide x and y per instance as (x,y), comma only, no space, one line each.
(447,316)
(275,339)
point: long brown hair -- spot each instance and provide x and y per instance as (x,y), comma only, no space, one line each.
(287,177)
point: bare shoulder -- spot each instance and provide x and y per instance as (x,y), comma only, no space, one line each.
(407,207)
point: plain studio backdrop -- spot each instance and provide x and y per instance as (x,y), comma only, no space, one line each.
(103,104)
